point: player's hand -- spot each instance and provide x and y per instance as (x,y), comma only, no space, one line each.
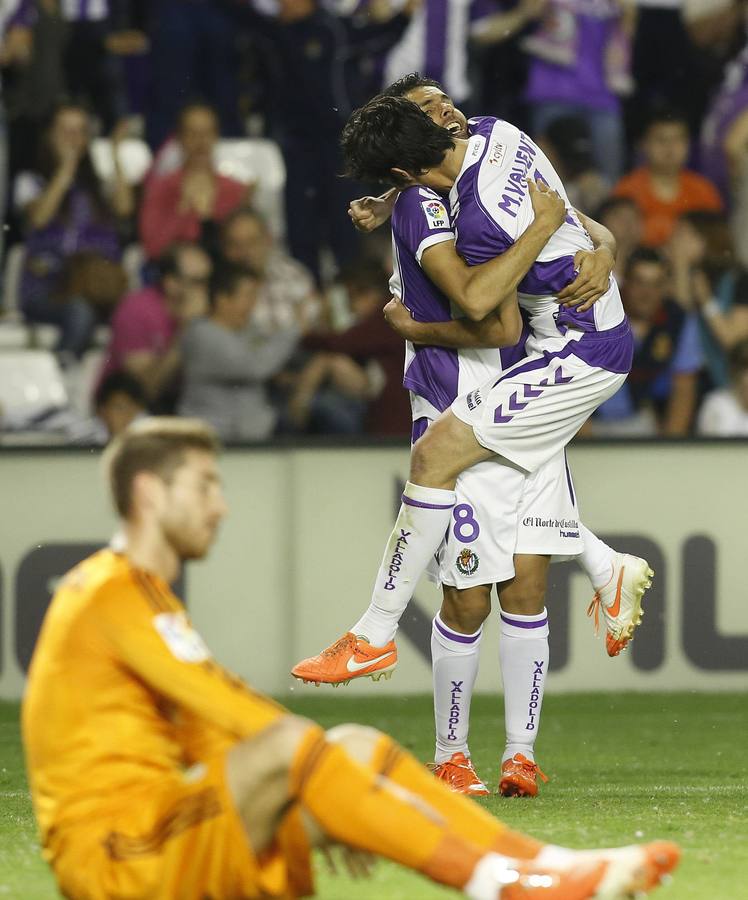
(368,213)
(398,317)
(358,863)
(592,281)
(549,207)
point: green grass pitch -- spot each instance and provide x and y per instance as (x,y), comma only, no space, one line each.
(622,769)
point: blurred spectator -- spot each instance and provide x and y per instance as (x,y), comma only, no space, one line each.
(118,401)
(287,294)
(437,41)
(192,55)
(660,394)
(622,217)
(724,412)
(669,70)
(226,367)
(147,324)
(663,188)
(568,145)
(71,276)
(354,380)
(707,279)
(16,45)
(580,67)
(186,204)
(311,52)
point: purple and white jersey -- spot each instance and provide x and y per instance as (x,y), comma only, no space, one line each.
(436,375)
(491,208)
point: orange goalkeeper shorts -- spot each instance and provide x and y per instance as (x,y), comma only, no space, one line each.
(182,838)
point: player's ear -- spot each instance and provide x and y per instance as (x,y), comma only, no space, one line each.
(402,177)
(147,492)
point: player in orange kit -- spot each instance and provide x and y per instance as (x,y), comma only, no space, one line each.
(155,773)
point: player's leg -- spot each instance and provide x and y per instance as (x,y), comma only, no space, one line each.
(368,648)
(366,808)
(524,654)
(627,869)
(455,646)
(619,581)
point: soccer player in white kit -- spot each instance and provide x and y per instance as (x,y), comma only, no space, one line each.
(488,525)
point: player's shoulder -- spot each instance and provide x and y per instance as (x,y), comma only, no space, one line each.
(420,208)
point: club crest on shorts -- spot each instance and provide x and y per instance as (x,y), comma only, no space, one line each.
(467,562)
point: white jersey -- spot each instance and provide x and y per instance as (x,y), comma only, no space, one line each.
(491,208)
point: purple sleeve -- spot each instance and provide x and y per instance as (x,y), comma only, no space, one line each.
(420,219)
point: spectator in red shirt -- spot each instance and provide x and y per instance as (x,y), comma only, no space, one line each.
(354,380)
(663,188)
(178,206)
(147,324)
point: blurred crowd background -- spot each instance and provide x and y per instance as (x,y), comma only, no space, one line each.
(177,237)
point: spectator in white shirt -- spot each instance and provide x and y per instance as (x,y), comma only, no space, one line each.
(724,412)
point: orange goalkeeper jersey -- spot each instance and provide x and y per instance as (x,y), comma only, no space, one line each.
(122,690)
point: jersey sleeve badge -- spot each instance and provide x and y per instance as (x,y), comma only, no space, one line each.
(436,214)
(181,638)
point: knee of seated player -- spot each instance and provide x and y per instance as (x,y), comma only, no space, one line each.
(266,758)
(466,610)
(358,741)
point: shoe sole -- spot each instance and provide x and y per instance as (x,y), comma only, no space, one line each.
(643,584)
(380,674)
(508,788)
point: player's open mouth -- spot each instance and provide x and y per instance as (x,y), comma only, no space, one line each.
(454,128)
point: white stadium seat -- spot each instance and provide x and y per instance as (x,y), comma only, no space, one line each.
(30,382)
(134,157)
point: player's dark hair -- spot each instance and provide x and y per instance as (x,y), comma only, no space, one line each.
(226,278)
(645,255)
(120,383)
(156,445)
(391,132)
(409,83)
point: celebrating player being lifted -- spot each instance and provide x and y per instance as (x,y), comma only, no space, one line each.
(494,537)
(157,774)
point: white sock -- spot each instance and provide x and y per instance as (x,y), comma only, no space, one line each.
(523,649)
(596,559)
(419,530)
(490,873)
(454,658)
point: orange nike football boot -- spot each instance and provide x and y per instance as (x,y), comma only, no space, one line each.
(348,658)
(522,880)
(460,776)
(621,601)
(519,777)
(631,871)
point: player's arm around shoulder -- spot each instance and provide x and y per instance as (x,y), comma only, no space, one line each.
(500,329)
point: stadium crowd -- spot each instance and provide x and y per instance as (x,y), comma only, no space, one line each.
(147,252)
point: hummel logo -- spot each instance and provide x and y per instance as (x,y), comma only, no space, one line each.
(354,666)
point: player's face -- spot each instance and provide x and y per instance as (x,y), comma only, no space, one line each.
(440,109)
(193,505)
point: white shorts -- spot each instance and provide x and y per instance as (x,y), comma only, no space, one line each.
(502,510)
(536,407)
